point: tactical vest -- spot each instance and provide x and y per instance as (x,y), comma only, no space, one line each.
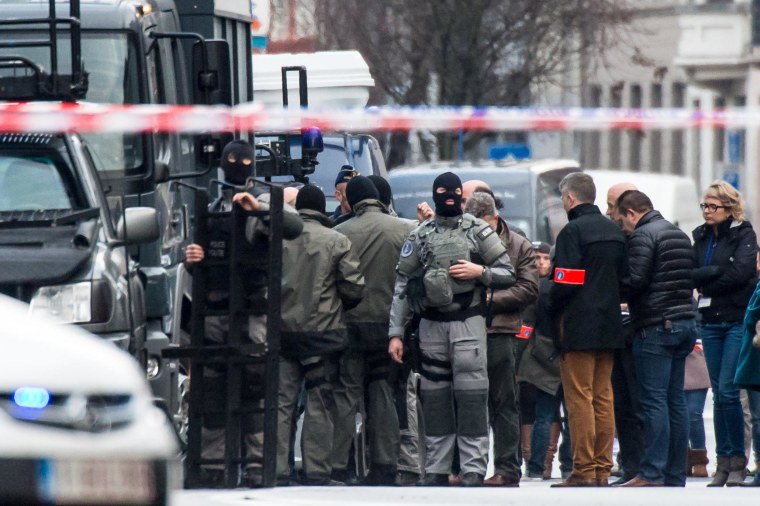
(254,275)
(439,251)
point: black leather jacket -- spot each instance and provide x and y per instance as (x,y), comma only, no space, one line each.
(660,260)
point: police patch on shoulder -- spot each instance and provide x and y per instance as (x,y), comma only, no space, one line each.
(485,232)
(407,249)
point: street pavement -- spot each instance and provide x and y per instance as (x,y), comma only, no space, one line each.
(530,493)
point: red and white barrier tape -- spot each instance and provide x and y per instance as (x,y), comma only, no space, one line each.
(87,117)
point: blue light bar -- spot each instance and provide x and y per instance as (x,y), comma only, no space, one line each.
(31,397)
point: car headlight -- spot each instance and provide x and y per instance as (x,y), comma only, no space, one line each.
(152,367)
(64,303)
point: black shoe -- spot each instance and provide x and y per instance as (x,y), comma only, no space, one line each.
(323,481)
(621,480)
(252,478)
(406,479)
(434,480)
(381,476)
(472,480)
(211,478)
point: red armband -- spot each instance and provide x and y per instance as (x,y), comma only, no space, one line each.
(525,332)
(570,276)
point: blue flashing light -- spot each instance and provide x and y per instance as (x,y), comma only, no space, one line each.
(31,397)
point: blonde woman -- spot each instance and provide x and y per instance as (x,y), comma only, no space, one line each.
(725,247)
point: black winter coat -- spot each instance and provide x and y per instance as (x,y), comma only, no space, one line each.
(660,259)
(729,275)
(587,316)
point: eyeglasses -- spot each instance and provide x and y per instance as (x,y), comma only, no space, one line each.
(711,207)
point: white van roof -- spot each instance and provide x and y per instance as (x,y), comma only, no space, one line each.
(676,197)
(334,78)
(538,166)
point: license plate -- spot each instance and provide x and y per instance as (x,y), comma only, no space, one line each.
(96,481)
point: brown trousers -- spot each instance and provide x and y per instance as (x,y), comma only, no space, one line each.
(586,379)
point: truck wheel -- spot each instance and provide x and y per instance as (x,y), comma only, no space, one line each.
(182,417)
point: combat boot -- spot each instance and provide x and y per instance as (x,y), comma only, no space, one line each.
(434,480)
(472,480)
(737,470)
(721,473)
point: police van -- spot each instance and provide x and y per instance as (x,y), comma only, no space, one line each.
(528,189)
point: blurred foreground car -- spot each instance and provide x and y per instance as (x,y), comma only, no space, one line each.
(76,418)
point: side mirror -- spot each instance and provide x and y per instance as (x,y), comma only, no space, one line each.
(138,225)
(212,76)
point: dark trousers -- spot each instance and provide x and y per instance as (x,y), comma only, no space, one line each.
(629,421)
(502,403)
(660,354)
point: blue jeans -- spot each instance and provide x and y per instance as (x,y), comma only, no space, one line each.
(722,342)
(547,406)
(660,355)
(695,404)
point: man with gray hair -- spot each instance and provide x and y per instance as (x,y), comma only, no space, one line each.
(590,278)
(505,331)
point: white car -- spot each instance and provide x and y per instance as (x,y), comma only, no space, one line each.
(76,418)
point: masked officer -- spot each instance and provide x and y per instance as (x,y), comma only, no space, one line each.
(442,269)
(237,160)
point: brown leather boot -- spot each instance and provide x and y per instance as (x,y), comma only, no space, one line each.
(554,432)
(698,463)
(737,470)
(721,473)
(525,434)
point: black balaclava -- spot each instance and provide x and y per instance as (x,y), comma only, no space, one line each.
(450,182)
(383,188)
(310,197)
(234,156)
(360,188)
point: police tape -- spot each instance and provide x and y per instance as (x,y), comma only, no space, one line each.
(93,118)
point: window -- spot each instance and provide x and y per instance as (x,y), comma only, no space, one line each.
(28,184)
(655,136)
(110,59)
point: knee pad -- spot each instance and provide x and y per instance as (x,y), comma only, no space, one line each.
(438,411)
(472,412)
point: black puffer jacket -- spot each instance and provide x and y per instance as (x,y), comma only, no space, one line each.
(729,275)
(660,259)
(587,313)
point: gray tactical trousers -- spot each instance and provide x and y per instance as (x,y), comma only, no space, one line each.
(355,370)
(212,435)
(412,451)
(318,375)
(454,393)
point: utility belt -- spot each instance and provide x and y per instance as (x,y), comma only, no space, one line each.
(452,316)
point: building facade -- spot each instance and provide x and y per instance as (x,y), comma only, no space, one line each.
(694,54)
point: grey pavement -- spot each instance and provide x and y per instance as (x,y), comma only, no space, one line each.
(530,493)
